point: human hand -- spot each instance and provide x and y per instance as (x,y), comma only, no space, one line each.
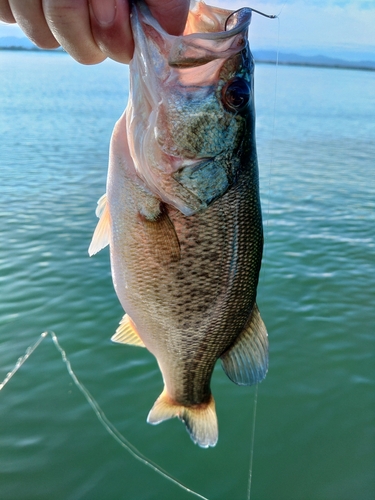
(89,30)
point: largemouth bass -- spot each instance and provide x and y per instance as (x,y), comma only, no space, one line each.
(182,213)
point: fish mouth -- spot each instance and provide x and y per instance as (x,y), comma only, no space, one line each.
(210,33)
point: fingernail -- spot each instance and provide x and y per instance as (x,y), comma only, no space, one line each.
(104,11)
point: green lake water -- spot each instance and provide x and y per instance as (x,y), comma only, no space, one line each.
(315,424)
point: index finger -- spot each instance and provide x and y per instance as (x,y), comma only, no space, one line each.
(69,22)
(6,14)
(111,25)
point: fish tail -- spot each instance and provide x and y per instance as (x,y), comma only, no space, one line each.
(200,420)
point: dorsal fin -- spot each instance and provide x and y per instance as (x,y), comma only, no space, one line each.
(246,362)
(102,231)
(126,333)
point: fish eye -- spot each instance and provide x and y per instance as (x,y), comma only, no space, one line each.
(236,94)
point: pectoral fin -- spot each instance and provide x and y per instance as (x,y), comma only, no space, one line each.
(162,239)
(126,333)
(246,362)
(102,231)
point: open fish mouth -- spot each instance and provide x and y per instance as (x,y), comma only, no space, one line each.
(208,38)
(210,33)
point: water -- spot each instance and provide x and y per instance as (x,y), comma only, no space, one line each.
(314,436)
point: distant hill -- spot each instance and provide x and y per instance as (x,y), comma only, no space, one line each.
(14,42)
(270,56)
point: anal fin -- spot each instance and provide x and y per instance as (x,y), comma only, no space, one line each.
(200,420)
(126,333)
(246,362)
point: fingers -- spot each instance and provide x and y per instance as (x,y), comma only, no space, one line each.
(89,30)
(69,22)
(30,18)
(5,12)
(110,26)
(110,23)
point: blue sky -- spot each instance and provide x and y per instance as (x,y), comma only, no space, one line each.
(343,28)
(328,27)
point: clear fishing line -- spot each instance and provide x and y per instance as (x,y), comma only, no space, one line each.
(110,428)
(22,359)
(252,443)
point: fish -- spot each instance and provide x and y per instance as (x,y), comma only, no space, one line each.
(182,214)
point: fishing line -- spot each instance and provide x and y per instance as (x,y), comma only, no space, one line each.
(272,153)
(273,121)
(110,428)
(22,359)
(252,442)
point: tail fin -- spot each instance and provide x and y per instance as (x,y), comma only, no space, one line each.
(200,420)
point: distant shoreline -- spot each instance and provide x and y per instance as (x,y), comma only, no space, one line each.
(33,49)
(350,66)
(317,65)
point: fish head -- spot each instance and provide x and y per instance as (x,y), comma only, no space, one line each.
(190,116)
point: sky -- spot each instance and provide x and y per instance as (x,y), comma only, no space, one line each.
(312,27)
(337,28)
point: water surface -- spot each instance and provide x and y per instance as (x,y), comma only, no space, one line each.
(314,436)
